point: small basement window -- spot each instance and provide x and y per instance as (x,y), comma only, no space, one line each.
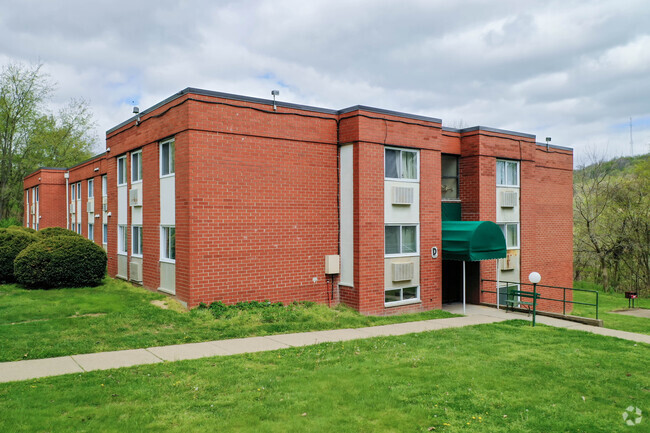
(404,295)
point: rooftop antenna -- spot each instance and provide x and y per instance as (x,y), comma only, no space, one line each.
(136,110)
(548,141)
(275,93)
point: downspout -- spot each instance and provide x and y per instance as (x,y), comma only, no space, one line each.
(66,175)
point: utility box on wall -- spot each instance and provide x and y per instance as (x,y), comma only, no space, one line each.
(332,264)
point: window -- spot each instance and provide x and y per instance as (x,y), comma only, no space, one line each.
(507,173)
(511,233)
(449,168)
(36,194)
(400,164)
(91,235)
(91,193)
(402,295)
(73,189)
(137,241)
(121,170)
(401,240)
(105,234)
(121,239)
(79,228)
(168,240)
(167,158)
(104,186)
(136,167)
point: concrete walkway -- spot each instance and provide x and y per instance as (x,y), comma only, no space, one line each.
(475,315)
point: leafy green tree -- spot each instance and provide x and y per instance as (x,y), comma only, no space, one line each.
(31,136)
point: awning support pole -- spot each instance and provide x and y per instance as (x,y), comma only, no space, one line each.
(463,286)
(497,284)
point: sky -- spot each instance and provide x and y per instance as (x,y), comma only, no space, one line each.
(575,71)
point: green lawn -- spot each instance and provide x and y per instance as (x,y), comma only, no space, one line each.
(506,377)
(47,323)
(609,302)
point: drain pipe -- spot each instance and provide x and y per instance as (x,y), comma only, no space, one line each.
(66,175)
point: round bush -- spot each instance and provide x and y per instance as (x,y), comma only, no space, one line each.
(12,242)
(56,231)
(61,261)
(25,229)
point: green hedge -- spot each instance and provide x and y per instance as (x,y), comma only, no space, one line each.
(25,229)
(56,231)
(61,261)
(12,242)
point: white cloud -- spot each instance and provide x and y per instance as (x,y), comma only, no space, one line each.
(576,71)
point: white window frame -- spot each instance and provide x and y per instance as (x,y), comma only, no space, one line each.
(172,152)
(36,194)
(402,301)
(417,240)
(79,227)
(78,190)
(73,193)
(122,239)
(506,162)
(91,232)
(91,184)
(104,186)
(121,173)
(137,155)
(105,234)
(417,164)
(136,241)
(164,256)
(504,228)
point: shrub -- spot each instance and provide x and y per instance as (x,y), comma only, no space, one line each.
(25,229)
(8,222)
(55,231)
(61,261)
(12,242)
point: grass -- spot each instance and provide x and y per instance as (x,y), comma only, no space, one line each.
(607,303)
(116,315)
(506,377)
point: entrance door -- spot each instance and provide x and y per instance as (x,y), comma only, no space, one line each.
(452,281)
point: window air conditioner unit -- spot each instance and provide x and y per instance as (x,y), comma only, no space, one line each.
(506,264)
(33,211)
(90,206)
(105,207)
(402,195)
(509,198)
(135,197)
(402,271)
(72,207)
(136,271)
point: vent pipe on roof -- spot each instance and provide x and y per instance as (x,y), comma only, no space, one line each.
(275,93)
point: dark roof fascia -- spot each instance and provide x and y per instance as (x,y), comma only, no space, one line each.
(269,102)
(496,130)
(390,113)
(554,146)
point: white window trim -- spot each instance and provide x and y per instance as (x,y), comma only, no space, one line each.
(104,186)
(518,175)
(505,233)
(122,243)
(78,191)
(162,244)
(36,198)
(417,240)
(104,234)
(91,232)
(415,300)
(402,149)
(133,241)
(160,163)
(91,188)
(135,182)
(118,171)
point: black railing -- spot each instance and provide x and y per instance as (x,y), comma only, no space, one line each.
(563,300)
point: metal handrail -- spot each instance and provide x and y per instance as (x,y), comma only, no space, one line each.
(563,300)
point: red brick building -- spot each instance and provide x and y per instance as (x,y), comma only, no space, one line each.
(212,196)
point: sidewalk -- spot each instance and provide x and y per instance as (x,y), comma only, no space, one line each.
(475,315)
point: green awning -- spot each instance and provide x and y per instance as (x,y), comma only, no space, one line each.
(472,240)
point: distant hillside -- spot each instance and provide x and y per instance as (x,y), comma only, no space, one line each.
(616,166)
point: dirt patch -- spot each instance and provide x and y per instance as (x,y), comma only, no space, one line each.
(637,312)
(160,304)
(87,315)
(29,321)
